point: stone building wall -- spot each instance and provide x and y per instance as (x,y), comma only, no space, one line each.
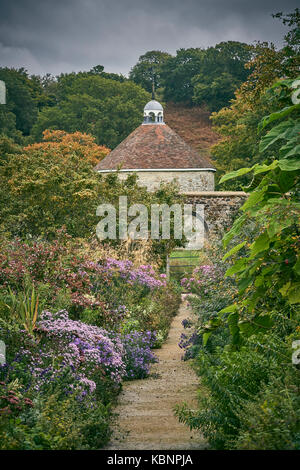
(187,180)
(220,208)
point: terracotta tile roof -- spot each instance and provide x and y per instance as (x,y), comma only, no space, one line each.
(154,146)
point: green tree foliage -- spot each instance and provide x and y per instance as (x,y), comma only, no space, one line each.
(206,76)
(21,99)
(105,108)
(222,71)
(148,69)
(177,75)
(238,123)
(105,105)
(47,185)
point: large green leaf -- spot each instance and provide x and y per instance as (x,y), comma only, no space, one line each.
(261,244)
(284,289)
(234,250)
(235,174)
(254,198)
(264,168)
(296,267)
(231,308)
(238,266)
(287,180)
(276,133)
(258,324)
(294,293)
(244,283)
(276,226)
(206,336)
(238,223)
(294,151)
(278,115)
(289,164)
(293,132)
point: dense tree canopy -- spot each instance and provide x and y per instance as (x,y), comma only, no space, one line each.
(106,108)
(222,71)
(238,123)
(106,105)
(22,97)
(206,76)
(49,184)
(148,69)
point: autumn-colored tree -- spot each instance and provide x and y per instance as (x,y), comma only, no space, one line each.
(63,144)
(50,184)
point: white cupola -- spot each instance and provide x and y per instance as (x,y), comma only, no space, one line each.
(153,113)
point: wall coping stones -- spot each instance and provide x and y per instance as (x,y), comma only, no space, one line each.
(215,193)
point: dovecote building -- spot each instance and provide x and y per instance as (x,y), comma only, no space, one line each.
(158,154)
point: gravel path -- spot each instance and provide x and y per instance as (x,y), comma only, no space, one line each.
(145,412)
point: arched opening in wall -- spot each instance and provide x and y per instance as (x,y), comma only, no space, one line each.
(203,221)
(151,117)
(200,232)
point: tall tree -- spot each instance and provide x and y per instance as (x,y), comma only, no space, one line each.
(148,69)
(238,123)
(87,102)
(178,72)
(50,184)
(21,98)
(206,76)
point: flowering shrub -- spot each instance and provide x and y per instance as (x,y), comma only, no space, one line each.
(138,355)
(12,401)
(65,278)
(88,346)
(95,327)
(143,276)
(202,278)
(80,353)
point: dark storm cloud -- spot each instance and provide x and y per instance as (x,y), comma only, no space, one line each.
(64,35)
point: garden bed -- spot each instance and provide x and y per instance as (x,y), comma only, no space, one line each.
(74,330)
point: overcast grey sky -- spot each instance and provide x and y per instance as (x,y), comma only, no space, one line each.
(70,35)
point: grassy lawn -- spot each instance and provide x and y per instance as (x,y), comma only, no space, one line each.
(183,262)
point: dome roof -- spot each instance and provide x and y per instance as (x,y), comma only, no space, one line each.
(153,105)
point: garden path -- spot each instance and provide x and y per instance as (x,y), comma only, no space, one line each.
(145,412)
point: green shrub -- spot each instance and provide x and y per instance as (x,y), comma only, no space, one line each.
(57,423)
(272,420)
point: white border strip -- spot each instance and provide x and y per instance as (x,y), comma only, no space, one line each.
(156,169)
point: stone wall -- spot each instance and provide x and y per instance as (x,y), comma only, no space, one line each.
(187,180)
(220,208)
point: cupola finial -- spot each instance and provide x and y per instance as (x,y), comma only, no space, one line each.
(153,88)
(153,111)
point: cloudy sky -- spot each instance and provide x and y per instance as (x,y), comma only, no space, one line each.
(70,35)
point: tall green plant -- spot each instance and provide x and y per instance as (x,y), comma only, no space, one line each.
(26,310)
(267,264)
